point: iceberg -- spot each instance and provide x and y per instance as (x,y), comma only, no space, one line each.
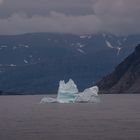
(89,95)
(68,93)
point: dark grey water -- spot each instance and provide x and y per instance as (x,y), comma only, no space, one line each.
(117,117)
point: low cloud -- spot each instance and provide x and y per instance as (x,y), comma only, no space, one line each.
(110,16)
(55,22)
(1,1)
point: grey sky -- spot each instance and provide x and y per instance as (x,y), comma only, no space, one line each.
(70,16)
(39,7)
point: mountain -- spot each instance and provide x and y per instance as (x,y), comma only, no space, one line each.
(125,78)
(34,48)
(37,62)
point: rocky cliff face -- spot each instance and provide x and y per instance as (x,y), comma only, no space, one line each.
(125,78)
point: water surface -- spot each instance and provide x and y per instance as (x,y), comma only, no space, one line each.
(116,117)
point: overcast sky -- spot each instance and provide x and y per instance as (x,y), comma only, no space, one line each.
(70,16)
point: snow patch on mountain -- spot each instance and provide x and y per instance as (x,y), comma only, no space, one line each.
(124,39)
(85,36)
(25,61)
(118,50)
(119,42)
(12,65)
(104,35)
(81,51)
(15,47)
(80,45)
(3,46)
(24,45)
(109,44)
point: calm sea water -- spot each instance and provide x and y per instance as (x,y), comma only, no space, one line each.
(116,117)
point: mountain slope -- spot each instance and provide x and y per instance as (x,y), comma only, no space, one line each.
(125,78)
(37,62)
(34,48)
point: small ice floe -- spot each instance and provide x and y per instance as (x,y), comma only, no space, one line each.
(48,100)
(68,93)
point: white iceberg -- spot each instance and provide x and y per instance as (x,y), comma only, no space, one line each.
(68,93)
(89,95)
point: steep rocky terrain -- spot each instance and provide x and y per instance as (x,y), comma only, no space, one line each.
(125,78)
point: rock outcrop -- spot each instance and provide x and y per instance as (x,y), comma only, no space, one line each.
(125,78)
